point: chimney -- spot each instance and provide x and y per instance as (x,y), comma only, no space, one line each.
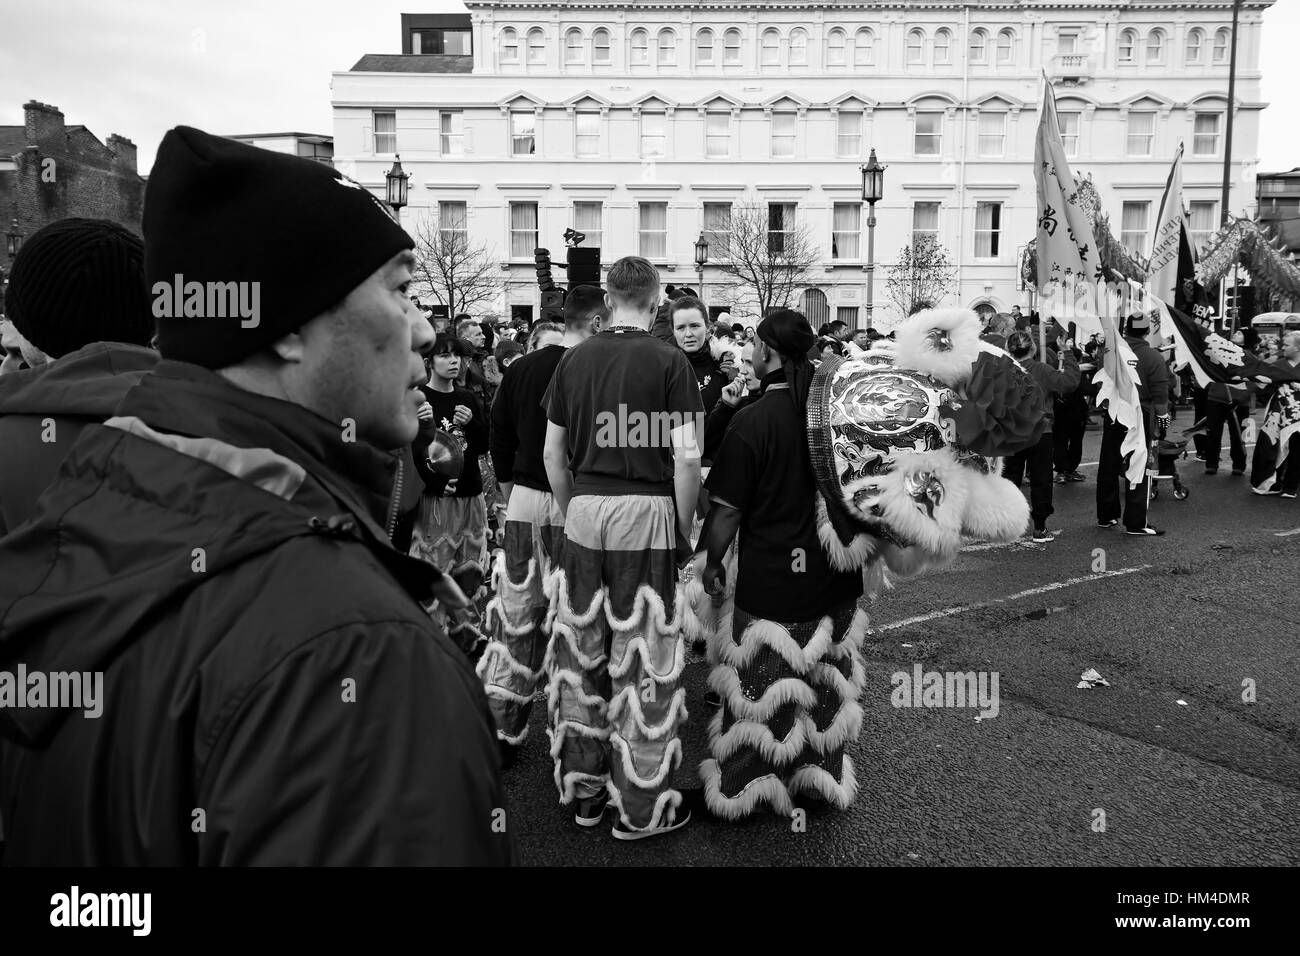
(41,121)
(123,153)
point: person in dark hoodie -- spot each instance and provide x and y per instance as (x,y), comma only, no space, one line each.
(690,332)
(80,311)
(270,690)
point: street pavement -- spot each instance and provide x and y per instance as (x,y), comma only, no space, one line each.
(1165,766)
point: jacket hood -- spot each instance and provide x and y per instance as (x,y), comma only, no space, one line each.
(87,383)
(152,504)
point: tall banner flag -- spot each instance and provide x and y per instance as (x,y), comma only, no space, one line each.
(1119,388)
(1166,245)
(1212,358)
(1068,265)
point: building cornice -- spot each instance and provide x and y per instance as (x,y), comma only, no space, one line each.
(876,6)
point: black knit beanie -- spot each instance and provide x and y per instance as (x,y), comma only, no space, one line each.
(243,245)
(79,281)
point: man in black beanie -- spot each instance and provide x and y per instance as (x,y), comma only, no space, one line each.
(795,628)
(80,315)
(272,691)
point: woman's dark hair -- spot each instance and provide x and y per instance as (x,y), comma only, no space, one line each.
(1020,344)
(681,303)
(448,344)
(506,349)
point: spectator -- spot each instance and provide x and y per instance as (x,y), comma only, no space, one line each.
(546,333)
(998,328)
(688,330)
(507,351)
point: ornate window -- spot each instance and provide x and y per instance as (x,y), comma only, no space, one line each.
(667,48)
(600,46)
(916,46)
(574,48)
(799,47)
(1155,47)
(640,48)
(731,48)
(1195,42)
(1128,46)
(836,44)
(536,47)
(979,41)
(770,48)
(704,48)
(943,46)
(864,48)
(509,46)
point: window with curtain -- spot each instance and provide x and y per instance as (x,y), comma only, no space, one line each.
(925,219)
(943,46)
(523,133)
(640,48)
(978,46)
(667,48)
(600,46)
(929,134)
(846,230)
(770,48)
(509,46)
(1069,126)
(1221,46)
(1156,46)
(1205,135)
(1133,227)
(864,48)
(1006,46)
(1141,133)
(993,133)
(653,230)
(848,142)
(654,136)
(915,47)
(574,47)
(587,220)
(536,47)
(586,143)
(451,133)
(523,229)
(1195,41)
(717,135)
(385,131)
(1127,46)
(1203,222)
(798,47)
(731,48)
(780,225)
(848,314)
(704,48)
(783,135)
(836,44)
(452,222)
(717,227)
(988,230)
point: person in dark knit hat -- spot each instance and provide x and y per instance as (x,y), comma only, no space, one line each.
(795,626)
(272,692)
(80,316)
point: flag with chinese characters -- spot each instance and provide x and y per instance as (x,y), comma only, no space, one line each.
(1166,244)
(1119,387)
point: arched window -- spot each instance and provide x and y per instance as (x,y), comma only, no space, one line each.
(1195,41)
(574,48)
(1006,46)
(916,46)
(667,48)
(942,46)
(1128,46)
(731,48)
(864,48)
(704,48)
(536,47)
(600,46)
(798,47)
(836,43)
(979,41)
(1221,46)
(771,48)
(1156,46)
(640,48)
(509,46)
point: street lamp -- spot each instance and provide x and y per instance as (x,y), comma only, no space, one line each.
(701,257)
(13,239)
(397,187)
(873,187)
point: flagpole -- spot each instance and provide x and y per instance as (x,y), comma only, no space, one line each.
(1232,104)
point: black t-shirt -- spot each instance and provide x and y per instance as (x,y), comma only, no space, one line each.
(762,468)
(519,420)
(473,438)
(620,394)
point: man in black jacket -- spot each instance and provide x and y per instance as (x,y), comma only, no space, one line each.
(269,690)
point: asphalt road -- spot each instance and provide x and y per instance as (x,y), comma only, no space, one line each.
(1185,772)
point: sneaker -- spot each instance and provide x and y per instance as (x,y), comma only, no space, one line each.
(591,811)
(712,698)
(1288,494)
(622,832)
(1075,476)
(1199,456)
(1108,524)
(1148,531)
(1059,479)
(1042,536)
(1271,491)
(1238,471)
(1211,471)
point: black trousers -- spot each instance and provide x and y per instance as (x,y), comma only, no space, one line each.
(1217,414)
(1265,463)
(1200,408)
(1110,473)
(1037,461)
(1067,435)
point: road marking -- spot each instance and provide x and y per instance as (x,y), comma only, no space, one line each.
(1287,534)
(961,609)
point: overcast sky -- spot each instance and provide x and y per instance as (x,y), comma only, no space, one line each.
(139,67)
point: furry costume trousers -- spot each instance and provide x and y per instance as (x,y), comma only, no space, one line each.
(512,663)
(789,709)
(616,656)
(451,534)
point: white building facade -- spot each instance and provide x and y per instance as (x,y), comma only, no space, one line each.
(640,124)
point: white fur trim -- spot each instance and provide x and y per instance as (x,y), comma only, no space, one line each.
(574,681)
(844,729)
(639,646)
(647,600)
(665,811)
(567,783)
(755,736)
(515,741)
(763,633)
(852,639)
(914,350)
(842,557)
(563,631)
(838,794)
(847,688)
(495,610)
(787,690)
(766,789)
(558,732)
(629,697)
(564,609)
(671,761)
(496,649)
(997,510)
(501,578)
(504,693)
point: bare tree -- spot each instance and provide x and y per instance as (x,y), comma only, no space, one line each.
(765,255)
(922,276)
(449,266)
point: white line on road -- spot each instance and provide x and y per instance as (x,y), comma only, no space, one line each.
(1285,534)
(961,609)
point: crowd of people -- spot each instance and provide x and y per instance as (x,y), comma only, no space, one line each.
(327,560)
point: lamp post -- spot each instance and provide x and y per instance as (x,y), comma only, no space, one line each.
(701,257)
(873,187)
(397,187)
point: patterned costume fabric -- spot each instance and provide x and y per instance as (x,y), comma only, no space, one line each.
(451,534)
(1273,448)
(512,663)
(616,656)
(789,708)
